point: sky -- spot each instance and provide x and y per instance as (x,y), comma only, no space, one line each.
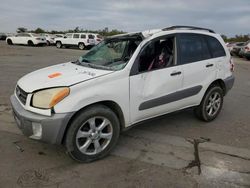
(227,17)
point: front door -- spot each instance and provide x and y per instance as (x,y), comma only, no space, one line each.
(156,81)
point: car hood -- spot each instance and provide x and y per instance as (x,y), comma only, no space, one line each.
(65,74)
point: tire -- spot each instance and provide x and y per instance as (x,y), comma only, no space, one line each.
(58,44)
(248,58)
(81,46)
(30,43)
(9,42)
(211,104)
(85,132)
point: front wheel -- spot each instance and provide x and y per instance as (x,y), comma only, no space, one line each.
(92,134)
(211,104)
(9,42)
(58,44)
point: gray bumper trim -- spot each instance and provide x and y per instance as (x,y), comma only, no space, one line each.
(52,127)
(229,82)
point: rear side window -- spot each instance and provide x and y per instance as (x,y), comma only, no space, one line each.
(76,36)
(193,48)
(215,46)
(91,36)
(83,36)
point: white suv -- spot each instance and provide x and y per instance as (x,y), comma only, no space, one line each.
(124,80)
(82,40)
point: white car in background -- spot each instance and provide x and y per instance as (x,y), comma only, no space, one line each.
(50,39)
(30,39)
(82,40)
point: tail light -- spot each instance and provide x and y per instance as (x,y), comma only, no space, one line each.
(232,65)
(247,48)
(98,39)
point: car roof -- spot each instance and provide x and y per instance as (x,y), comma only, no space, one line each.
(168,30)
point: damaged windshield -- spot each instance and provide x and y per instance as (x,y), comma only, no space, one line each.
(111,54)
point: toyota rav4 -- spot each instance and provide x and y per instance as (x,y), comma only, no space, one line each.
(124,80)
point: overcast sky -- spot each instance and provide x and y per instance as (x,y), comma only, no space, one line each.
(224,16)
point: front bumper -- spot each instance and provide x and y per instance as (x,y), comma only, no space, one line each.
(52,128)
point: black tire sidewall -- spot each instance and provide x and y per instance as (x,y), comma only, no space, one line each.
(81,44)
(9,41)
(97,110)
(203,111)
(30,43)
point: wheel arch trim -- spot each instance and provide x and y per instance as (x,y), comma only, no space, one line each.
(108,103)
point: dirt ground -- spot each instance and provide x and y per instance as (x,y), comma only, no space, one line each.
(158,153)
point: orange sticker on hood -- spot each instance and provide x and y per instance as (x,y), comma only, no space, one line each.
(56,74)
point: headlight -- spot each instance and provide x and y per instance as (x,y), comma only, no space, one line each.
(49,97)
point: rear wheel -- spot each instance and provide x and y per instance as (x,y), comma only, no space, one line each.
(92,134)
(211,104)
(81,46)
(58,44)
(30,43)
(248,58)
(9,42)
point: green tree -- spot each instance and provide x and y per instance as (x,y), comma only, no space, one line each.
(21,30)
(39,30)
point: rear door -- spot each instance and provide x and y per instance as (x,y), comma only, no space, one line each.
(26,37)
(199,68)
(83,38)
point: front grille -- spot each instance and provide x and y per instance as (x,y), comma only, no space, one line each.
(21,94)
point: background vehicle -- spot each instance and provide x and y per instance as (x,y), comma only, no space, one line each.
(30,39)
(3,36)
(124,80)
(230,46)
(245,50)
(50,39)
(81,40)
(98,38)
(236,48)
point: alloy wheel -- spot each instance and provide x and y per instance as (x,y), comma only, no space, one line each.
(213,104)
(94,135)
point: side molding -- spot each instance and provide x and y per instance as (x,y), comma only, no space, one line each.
(170,98)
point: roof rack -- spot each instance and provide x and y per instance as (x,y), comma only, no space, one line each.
(187,27)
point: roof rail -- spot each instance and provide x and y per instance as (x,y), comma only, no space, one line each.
(187,27)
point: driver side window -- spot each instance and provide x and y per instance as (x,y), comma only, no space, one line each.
(157,54)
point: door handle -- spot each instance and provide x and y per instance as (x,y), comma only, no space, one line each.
(209,65)
(175,73)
